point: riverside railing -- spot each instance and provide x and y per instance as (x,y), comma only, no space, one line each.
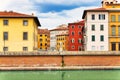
(60,53)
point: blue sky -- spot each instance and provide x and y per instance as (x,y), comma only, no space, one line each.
(51,13)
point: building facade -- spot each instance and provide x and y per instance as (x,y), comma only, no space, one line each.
(108,17)
(96,26)
(43,39)
(18,31)
(62,42)
(76,38)
(62,29)
(114,23)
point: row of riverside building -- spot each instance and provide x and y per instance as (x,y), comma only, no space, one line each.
(63,37)
(99,30)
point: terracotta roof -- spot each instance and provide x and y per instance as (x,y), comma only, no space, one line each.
(60,27)
(12,14)
(43,31)
(94,10)
(78,22)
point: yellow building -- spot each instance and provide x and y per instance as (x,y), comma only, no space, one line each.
(114,23)
(18,32)
(62,42)
(43,39)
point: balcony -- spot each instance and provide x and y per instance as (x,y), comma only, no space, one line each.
(115,36)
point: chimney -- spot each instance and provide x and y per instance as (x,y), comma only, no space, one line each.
(5,11)
(32,14)
(11,11)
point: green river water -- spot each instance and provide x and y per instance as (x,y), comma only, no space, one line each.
(61,75)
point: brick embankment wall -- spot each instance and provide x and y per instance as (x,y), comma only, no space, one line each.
(51,60)
(35,61)
(92,60)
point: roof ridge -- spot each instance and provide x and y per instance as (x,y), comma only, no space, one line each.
(14,14)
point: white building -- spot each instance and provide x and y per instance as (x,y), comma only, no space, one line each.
(62,29)
(96,26)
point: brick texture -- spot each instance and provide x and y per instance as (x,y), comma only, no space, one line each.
(57,61)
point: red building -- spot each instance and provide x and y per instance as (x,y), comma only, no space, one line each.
(76,38)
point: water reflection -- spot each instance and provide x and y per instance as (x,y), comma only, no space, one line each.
(61,75)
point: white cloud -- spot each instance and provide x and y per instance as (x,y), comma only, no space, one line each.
(48,20)
(17,5)
(52,20)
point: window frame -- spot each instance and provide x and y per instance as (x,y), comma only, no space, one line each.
(113,18)
(93,17)
(25,36)
(25,22)
(25,48)
(5,22)
(101,27)
(93,27)
(5,35)
(5,48)
(93,38)
(102,38)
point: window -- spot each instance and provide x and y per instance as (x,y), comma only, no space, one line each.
(93,17)
(41,44)
(101,27)
(25,22)
(25,36)
(93,47)
(118,18)
(113,46)
(73,47)
(93,37)
(5,35)
(80,48)
(101,16)
(5,48)
(45,44)
(101,38)
(79,26)
(25,48)
(119,46)
(101,48)
(46,39)
(79,33)
(113,18)
(119,30)
(113,30)
(72,41)
(79,40)
(40,40)
(40,35)
(93,28)
(73,27)
(73,33)
(5,22)
(45,35)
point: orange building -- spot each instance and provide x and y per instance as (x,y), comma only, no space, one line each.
(43,39)
(62,42)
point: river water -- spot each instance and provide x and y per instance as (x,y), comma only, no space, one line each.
(61,75)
